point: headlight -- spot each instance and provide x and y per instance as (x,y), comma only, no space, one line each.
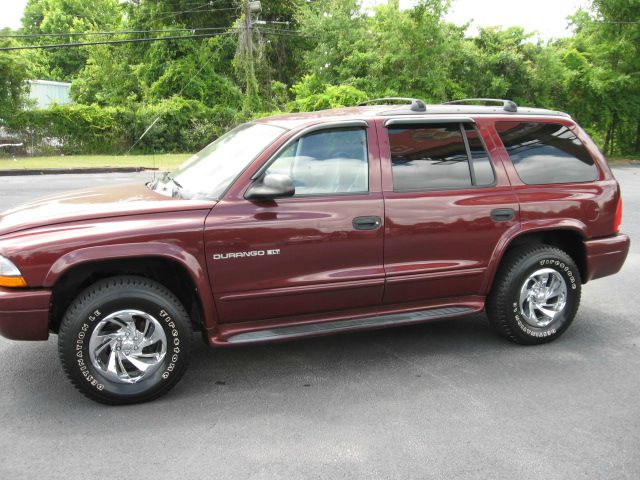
(10,276)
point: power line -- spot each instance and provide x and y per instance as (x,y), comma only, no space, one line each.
(115,42)
(200,11)
(617,23)
(114,32)
(284,33)
(174,14)
(199,4)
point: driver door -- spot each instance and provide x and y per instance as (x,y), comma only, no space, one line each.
(309,253)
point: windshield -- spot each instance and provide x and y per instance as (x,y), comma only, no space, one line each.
(209,172)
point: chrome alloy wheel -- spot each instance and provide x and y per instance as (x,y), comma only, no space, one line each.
(128,346)
(543,296)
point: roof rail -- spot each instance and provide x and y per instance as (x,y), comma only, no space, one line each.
(508,105)
(417,105)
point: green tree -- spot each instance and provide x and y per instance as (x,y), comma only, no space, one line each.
(505,63)
(62,16)
(388,52)
(13,76)
(605,59)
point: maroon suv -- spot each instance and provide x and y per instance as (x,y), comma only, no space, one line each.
(308,224)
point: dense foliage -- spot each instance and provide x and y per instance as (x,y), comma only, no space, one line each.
(13,75)
(183,125)
(309,55)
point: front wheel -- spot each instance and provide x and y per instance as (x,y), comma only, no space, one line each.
(535,296)
(125,340)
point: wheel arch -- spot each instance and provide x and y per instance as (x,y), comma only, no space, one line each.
(170,266)
(568,236)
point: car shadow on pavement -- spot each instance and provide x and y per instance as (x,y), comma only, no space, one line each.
(372,361)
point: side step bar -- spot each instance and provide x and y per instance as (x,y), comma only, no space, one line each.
(283,333)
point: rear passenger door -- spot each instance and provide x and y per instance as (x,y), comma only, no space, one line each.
(447,205)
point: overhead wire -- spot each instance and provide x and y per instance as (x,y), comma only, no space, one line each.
(113,33)
(116,42)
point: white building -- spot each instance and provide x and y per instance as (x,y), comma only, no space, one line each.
(45,92)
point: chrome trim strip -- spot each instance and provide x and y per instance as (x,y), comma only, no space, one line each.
(400,277)
(377,281)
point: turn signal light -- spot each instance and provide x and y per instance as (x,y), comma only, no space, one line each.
(618,220)
(10,276)
(13,282)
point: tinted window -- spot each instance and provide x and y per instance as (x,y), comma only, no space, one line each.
(482,167)
(331,161)
(546,153)
(427,157)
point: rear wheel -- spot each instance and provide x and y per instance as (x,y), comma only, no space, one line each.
(535,296)
(125,340)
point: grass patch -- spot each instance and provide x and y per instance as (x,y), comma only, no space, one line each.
(161,162)
(164,162)
(623,161)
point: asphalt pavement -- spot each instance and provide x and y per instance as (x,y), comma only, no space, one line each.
(442,400)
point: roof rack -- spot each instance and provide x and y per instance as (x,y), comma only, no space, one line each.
(417,105)
(507,105)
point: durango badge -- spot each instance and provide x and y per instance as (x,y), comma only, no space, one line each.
(252,253)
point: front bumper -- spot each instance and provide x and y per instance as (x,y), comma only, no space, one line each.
(606,256)
(24,314)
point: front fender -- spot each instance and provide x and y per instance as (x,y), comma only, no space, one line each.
(123,251)
(166,251)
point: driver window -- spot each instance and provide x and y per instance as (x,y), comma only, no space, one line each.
(326,162)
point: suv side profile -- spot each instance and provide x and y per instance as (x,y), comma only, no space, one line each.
(308,224)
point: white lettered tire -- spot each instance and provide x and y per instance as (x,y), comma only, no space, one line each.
(535,295)
(125,340)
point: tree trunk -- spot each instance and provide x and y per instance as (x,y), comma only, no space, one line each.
(607,139)
(614,128)
(637,147)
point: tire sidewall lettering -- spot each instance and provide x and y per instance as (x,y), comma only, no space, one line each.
(175,351)
(86,368)
(567,273)
(81,347)
(561,268)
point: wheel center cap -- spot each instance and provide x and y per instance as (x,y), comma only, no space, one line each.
(128,345)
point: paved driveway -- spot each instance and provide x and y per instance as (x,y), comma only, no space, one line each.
(443,400)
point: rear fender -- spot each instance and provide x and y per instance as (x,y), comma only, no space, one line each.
(525,228)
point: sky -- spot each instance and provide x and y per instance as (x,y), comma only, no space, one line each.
(548,17)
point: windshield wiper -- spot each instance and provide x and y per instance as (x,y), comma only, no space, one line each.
(174,181)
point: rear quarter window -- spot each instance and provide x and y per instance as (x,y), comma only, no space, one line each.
(544,153)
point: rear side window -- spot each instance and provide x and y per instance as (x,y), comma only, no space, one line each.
(544,153)
(438,156)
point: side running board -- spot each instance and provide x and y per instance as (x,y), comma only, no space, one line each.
(282,333)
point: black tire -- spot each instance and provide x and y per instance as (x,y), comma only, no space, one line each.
(92,309)
(503,308)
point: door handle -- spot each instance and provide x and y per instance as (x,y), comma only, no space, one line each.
(367,223)
(503,214)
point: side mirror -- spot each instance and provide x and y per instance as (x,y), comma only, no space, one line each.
(271,186)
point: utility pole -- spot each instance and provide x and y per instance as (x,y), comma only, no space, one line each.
(245,52)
